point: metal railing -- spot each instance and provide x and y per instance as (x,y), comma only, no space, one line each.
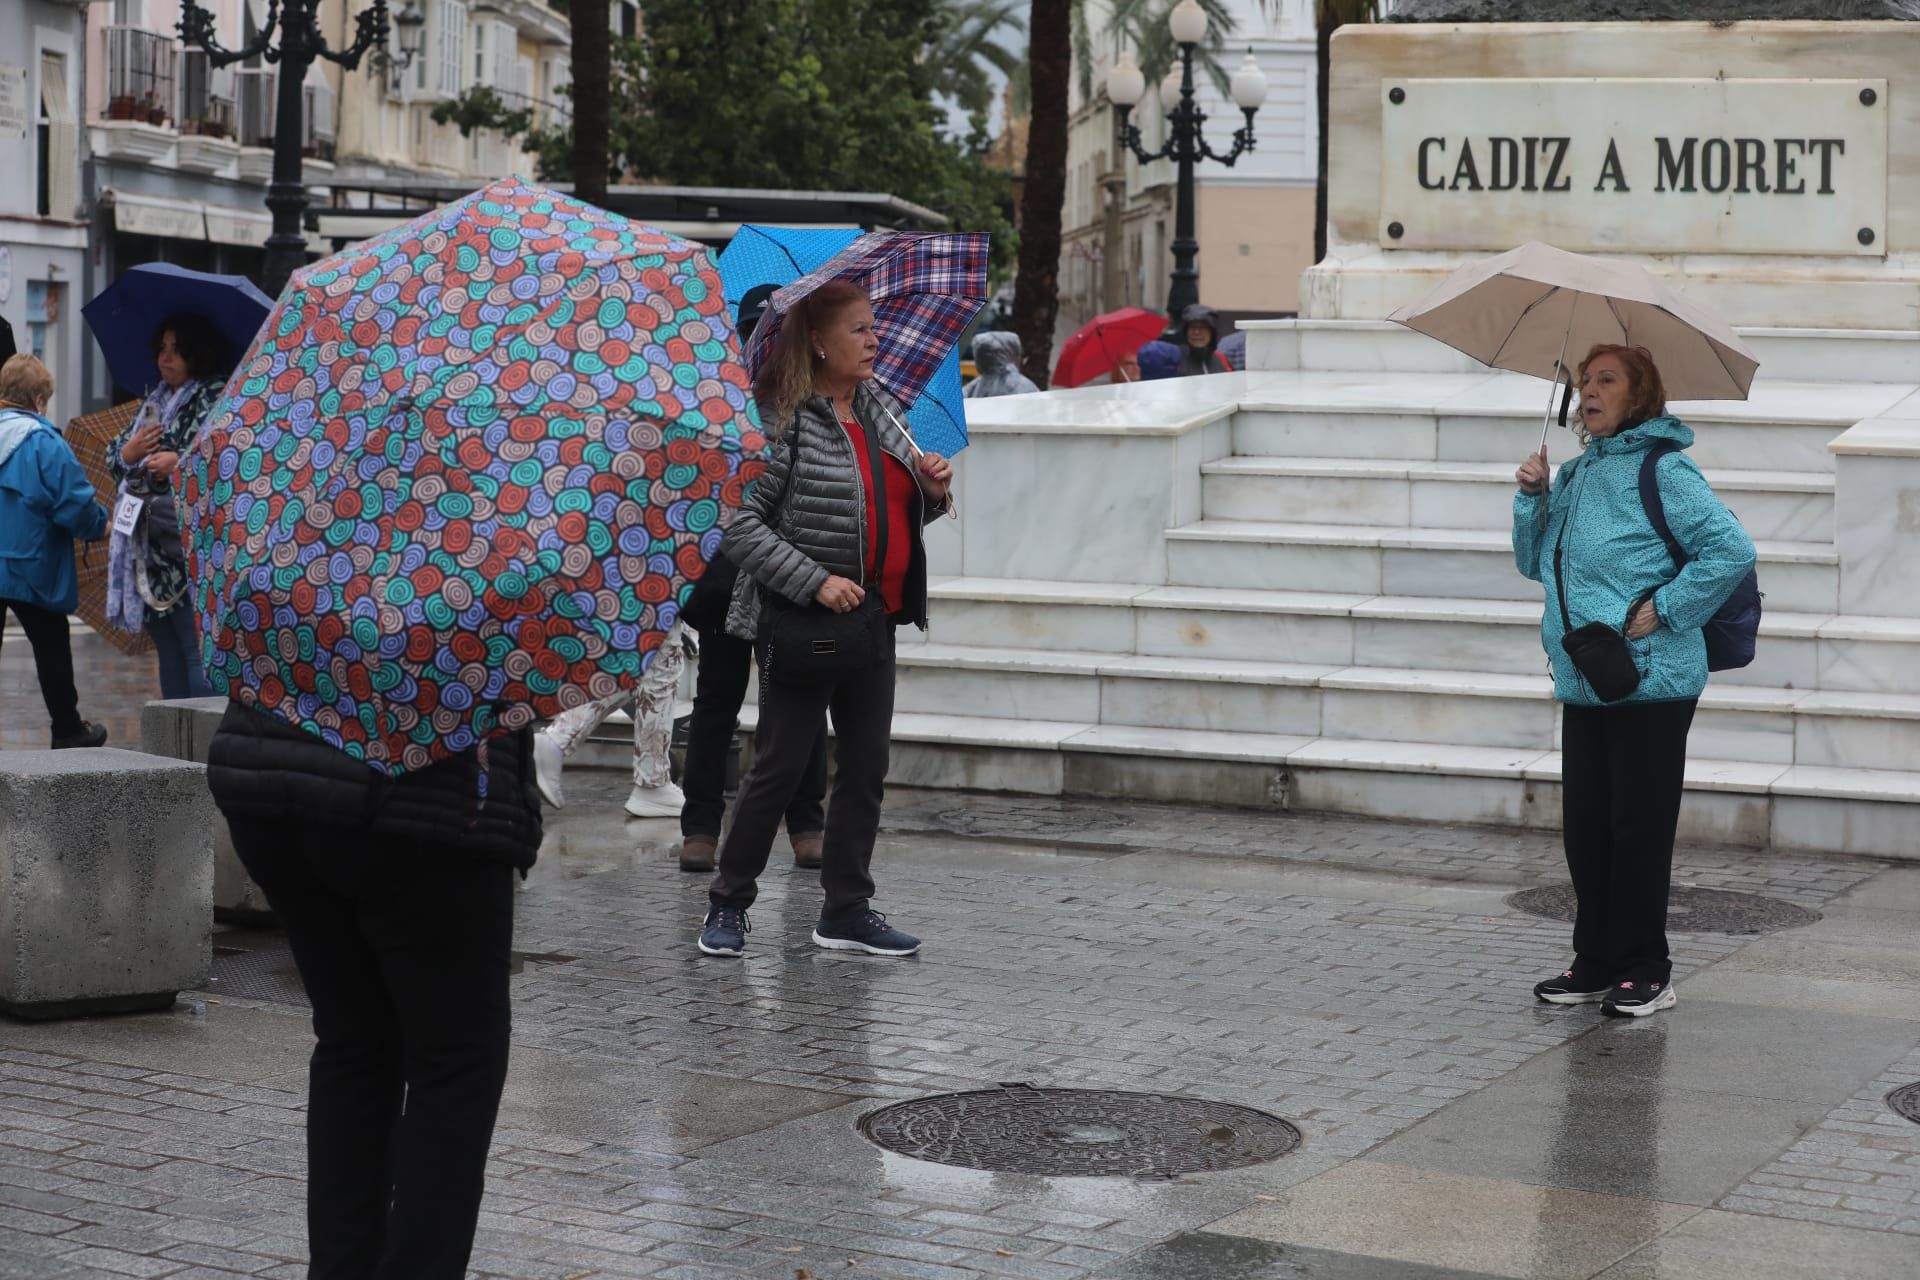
(139,75)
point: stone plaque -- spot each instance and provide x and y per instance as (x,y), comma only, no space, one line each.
(14,113)
(1639,166)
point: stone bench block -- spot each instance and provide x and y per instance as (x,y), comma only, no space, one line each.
(106,881)
(183,729)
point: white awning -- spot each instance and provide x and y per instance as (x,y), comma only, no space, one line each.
(237,226)
(153,216)
(359,226)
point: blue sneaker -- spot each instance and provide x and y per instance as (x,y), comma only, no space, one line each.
(725,932)
(866,931)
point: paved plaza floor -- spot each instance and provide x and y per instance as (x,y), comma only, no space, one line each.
(676,1116)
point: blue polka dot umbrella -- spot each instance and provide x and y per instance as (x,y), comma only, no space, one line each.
(467,475)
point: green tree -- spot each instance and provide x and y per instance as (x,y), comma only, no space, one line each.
(1036,290)
(802,94)
(966,55)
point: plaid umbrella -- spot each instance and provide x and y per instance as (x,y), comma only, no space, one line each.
(89,436)
(925,289)
(467,475)
(761,255)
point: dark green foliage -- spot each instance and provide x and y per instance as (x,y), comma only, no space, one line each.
(800,94)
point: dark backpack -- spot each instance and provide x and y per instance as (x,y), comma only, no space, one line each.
(1732,632)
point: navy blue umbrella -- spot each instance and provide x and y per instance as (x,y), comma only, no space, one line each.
(126,314)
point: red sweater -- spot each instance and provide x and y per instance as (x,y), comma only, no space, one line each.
(892,576)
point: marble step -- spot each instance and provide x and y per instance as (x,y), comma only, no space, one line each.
(1775,506)
(1798,577)
(1788,806)
(1377,346)
(1481,709)
(1839,653)
(1788,437)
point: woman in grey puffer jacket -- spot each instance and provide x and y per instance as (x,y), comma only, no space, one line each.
(834,523)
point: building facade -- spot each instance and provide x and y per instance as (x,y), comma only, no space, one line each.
(43,230)
(519,49)
(1254,220)
(136,149)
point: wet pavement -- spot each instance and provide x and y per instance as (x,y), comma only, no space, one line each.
(112,686)
(677,1116)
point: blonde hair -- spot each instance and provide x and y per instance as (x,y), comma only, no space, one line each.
(25,383)
(787,376)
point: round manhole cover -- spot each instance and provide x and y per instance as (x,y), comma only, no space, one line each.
(1080,1133)
(1905,1102)
(1689,909)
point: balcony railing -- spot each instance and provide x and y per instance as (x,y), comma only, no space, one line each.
(139,75)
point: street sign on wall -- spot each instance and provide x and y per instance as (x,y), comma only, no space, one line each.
(1643,166)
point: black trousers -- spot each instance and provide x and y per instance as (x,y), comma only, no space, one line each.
(1623,771)
(405,954)
(52,662)
(862,706)
(720,687)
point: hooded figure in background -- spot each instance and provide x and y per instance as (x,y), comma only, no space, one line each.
(1159,359)
(997,355)
(1200,342)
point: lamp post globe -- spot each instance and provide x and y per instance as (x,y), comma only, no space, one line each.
(299,43)
(1125,83)
(1188,22)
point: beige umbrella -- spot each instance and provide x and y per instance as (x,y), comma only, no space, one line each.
(1528,308)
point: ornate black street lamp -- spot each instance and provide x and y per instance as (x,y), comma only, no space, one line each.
(1185,143)
(299,44)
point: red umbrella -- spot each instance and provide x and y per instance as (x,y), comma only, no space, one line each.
(1096,346)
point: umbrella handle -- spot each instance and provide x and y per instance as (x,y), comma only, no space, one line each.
(953,506)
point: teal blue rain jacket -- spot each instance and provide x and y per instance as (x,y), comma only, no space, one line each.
(45,503)
(1613,559)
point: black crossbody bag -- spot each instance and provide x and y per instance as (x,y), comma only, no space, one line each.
(1598,651)
(812,644)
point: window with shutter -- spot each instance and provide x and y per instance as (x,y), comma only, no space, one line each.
(61,139)
(451,43)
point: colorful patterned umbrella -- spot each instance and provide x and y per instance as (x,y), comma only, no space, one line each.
(88,436)
(467,475)
(760,255)
(925,289)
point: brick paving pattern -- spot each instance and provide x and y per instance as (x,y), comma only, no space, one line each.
(1392,984)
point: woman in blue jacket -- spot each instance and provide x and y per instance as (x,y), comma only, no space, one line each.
(1624,761)
(45,503)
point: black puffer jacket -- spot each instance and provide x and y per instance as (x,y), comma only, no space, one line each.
(799,524)
(261,767)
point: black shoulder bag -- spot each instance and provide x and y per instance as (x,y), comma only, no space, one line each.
(812,644)
(1599,652)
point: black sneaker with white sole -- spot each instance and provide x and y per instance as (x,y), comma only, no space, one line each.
(1571,987)
(863,930)
(724,932)
(1638,999)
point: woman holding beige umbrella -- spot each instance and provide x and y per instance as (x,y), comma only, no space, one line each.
(1639,560)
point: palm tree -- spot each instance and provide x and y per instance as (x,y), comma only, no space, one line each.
(1036,290)
(1141,25)
(587,21)
(1330,16)
(966,54)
